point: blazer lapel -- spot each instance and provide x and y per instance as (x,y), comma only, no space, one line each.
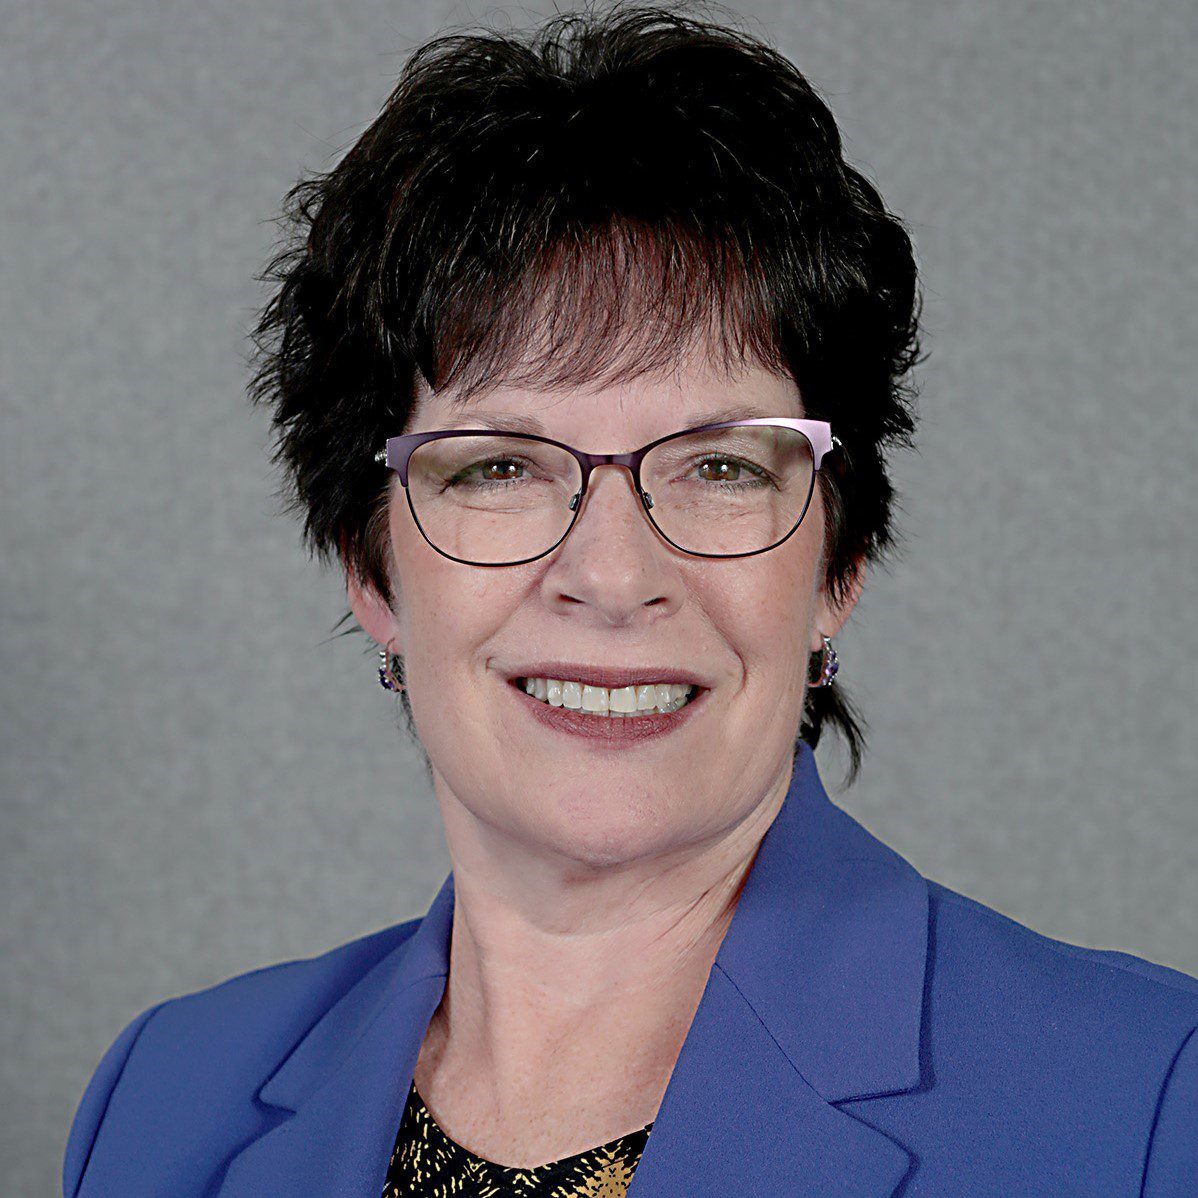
(737,1118)
(345,1084)
(815,998)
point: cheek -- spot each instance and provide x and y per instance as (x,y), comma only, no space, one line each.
(766,614)
(449,612)
(775,592)
(449,618)
(771,622)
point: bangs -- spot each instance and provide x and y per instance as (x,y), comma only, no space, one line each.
(601,307)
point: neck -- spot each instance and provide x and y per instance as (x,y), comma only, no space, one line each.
(559,974)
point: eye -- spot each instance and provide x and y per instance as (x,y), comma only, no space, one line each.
(725,467)
(493,470)
(509,467)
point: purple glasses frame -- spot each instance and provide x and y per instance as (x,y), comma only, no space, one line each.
(398,452)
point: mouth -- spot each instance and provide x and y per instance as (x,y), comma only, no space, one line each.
(561,709)
(633,701)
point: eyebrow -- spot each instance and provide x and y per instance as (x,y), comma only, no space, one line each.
(518,422)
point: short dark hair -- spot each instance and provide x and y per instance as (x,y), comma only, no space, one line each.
(574,205)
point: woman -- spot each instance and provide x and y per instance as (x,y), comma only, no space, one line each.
(585,364)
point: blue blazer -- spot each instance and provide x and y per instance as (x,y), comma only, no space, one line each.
(864,1033)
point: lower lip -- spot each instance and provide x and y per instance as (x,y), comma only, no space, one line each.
(605,729)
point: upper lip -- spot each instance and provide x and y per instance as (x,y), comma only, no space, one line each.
(605,676)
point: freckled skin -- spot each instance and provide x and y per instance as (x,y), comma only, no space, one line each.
(585,875)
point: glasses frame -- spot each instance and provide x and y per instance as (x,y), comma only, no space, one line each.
(398,450)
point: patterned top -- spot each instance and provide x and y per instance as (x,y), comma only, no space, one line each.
(426,1162)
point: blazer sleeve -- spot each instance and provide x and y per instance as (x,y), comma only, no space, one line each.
(94,1103)
(1172,1167)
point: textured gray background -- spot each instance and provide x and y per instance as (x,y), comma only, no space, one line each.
(198,781)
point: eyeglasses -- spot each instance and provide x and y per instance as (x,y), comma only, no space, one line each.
(487,498)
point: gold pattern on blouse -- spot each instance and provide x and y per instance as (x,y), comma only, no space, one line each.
(426,1162)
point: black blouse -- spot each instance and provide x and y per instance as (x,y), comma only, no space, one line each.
(426,1162)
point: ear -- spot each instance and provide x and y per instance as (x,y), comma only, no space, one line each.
(830,618)
(375,617)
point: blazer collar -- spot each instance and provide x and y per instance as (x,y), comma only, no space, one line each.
(815,998)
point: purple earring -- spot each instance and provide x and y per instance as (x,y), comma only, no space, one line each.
(828,665)
(389,666)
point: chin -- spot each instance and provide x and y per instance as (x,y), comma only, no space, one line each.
(601,831)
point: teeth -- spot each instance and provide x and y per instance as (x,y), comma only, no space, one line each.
(620,702)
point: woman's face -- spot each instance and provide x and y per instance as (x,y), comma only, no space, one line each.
(613,594)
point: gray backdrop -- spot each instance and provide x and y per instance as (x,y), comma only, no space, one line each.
(197,780)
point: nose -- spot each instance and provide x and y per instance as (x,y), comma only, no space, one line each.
(614,561)
(612,498)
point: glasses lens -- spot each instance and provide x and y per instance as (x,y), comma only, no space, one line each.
(492,499)
(730,491)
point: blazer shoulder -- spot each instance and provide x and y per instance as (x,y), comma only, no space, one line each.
(231,1033)
(249,1021)
(300,984)
(1099,1045)
(1105,989)
(96,1096)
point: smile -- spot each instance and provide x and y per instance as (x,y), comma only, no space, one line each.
(598,726)
(624,702)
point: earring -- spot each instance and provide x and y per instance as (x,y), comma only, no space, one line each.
(389,666)
(828,665)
